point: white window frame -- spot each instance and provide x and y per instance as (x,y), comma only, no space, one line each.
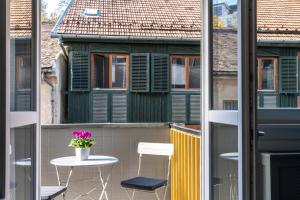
(240,118)
(20,119)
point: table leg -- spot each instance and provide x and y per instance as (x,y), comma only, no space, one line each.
(104,183)
(68,180)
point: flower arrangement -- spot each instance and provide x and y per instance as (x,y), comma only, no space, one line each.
(82,139)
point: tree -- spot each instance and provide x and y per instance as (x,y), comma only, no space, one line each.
(61,6)
(63,3)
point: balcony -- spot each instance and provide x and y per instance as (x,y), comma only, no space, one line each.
(121,140)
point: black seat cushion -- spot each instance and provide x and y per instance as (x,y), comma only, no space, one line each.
(143,183)
(50,192)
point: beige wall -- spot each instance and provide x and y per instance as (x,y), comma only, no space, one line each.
(112,139)
(224,88)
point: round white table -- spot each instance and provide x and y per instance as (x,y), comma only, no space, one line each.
(24,162)
(230,156)
(93,161)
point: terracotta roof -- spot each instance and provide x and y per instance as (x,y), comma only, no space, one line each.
(20,18)
(141,18)
(278,19)
(49,46)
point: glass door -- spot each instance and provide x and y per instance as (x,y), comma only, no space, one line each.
(228,113)
(20,70)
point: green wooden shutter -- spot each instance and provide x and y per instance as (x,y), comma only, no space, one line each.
(288,74)
(160,73)
(79,71)
(139,72)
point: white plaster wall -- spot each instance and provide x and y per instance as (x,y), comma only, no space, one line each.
(58,80)
(116,140)
(45,103)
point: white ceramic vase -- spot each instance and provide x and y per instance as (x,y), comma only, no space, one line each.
(82,153)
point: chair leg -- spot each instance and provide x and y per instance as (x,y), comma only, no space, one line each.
(165,194)
(130,196)
(157,197)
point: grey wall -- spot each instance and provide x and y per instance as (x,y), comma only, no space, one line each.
(112,139)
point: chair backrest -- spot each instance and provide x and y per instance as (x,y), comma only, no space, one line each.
(160,149)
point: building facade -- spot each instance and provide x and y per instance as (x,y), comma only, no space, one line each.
(144,65)
(131,67)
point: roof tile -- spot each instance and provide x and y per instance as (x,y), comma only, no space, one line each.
(148,18)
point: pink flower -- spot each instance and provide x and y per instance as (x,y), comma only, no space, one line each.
(88,135)
(81,134)
(75,133)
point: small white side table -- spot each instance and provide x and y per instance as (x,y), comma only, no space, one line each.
(93,161)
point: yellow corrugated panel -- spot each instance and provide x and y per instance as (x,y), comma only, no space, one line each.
(185,169)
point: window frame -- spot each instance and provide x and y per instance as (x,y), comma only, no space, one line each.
(110,55)
(259,73)
(187,72)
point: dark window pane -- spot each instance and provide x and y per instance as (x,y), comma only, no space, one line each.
(119,71)
(22,162)
(267,75)
(22,69)
(224,152)
(178,72)
(195,72)
(101,71)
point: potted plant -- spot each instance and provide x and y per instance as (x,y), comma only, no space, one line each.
(82,142)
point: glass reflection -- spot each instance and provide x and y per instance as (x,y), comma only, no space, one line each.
(224,162)
(224,57)
(21,170)
(119,71)
(195,72)
(21,55)
(178,72)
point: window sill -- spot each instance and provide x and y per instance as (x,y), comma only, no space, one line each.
(185,90)
(267,90)
(109,89)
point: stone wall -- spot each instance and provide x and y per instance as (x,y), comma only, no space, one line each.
(119,140)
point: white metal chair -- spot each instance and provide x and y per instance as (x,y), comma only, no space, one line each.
(146,184)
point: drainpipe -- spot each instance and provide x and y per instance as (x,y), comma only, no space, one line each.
(64,82)
(44,77)
(64,50)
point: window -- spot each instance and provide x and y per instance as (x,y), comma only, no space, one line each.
(23,72)
(267,74)
(230,104)
(218,10)
(185,72)
(110,71)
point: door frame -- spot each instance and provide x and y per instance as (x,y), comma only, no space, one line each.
(9,119)
(245,117)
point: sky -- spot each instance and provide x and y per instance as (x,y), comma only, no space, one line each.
(52,5)
(229,2)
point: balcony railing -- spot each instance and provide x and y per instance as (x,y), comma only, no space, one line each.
(185,171)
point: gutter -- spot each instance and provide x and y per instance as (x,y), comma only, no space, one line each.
(44,78)
(278,41)
(62,17)
(136,38)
